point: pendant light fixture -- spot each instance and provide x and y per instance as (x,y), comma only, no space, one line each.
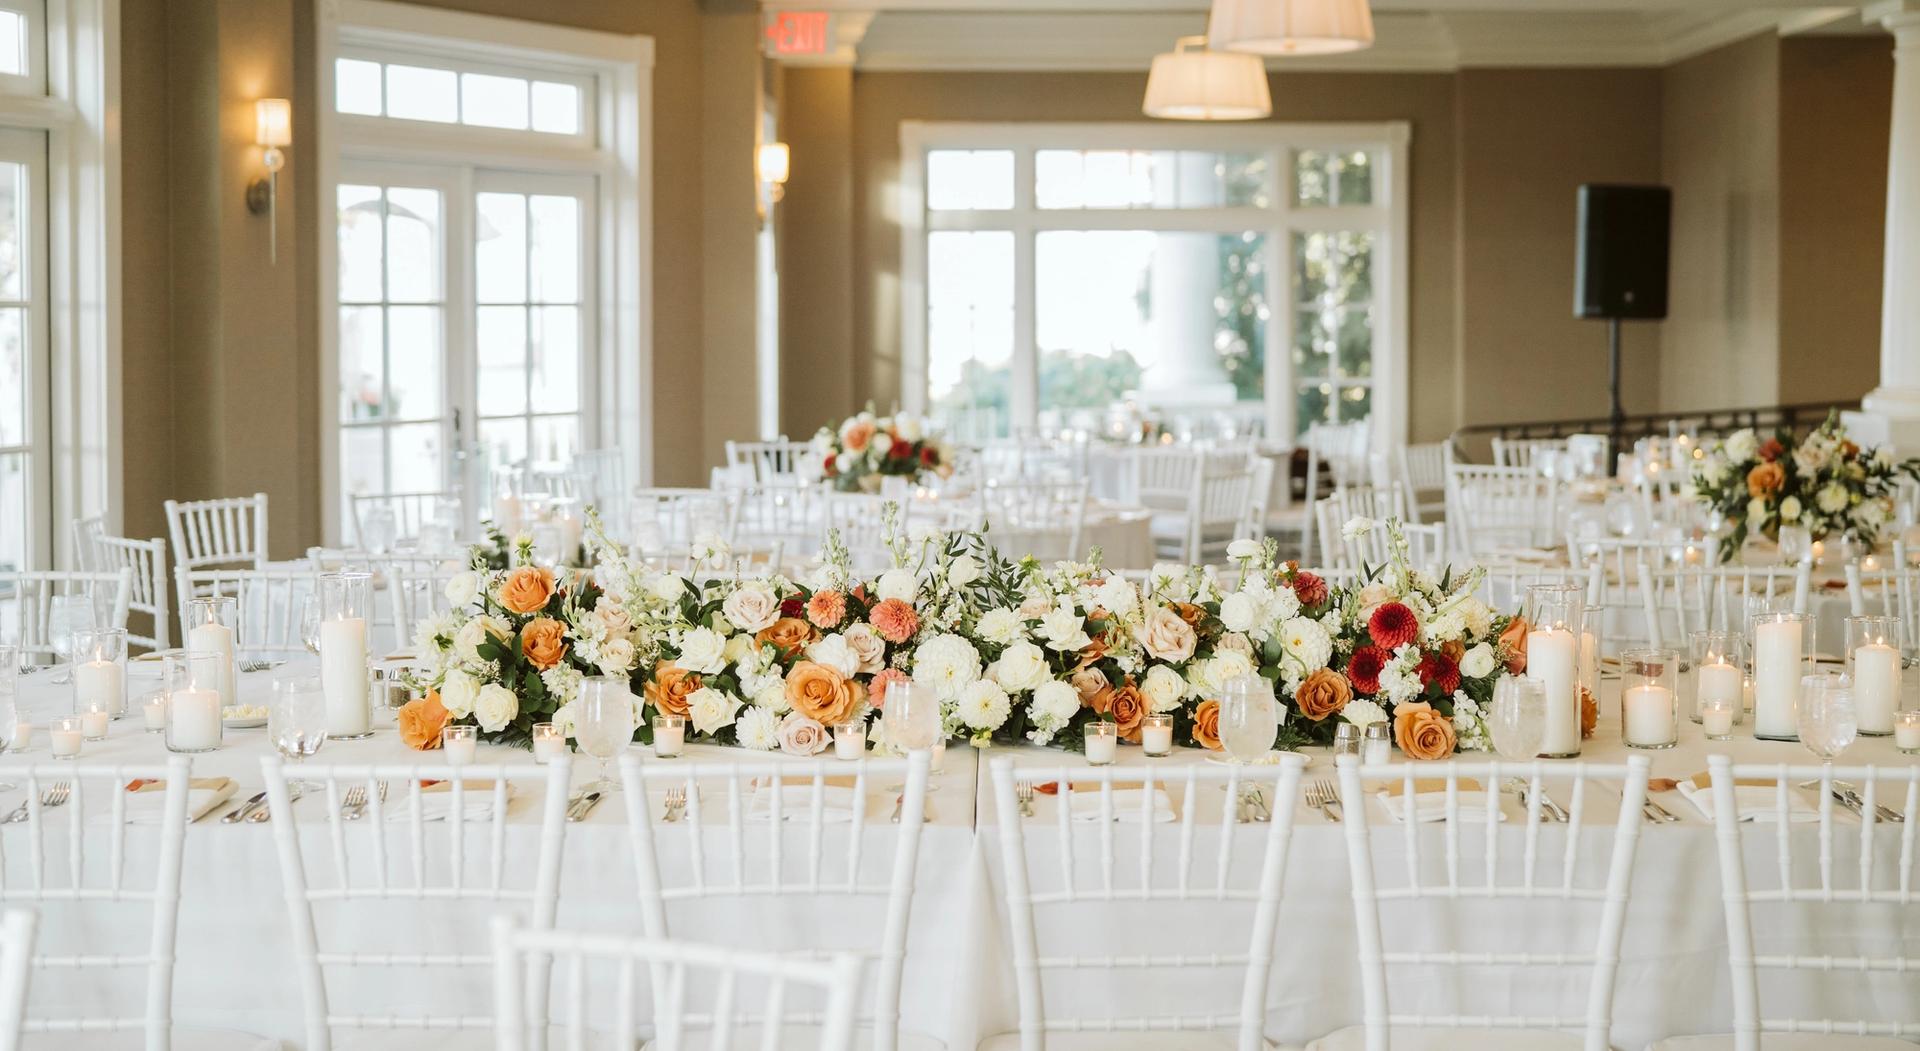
(1199,84)
(1290,27)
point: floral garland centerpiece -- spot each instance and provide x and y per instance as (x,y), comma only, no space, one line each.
(865,448)
(1825,483)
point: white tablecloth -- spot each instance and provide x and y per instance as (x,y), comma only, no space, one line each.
(235,945)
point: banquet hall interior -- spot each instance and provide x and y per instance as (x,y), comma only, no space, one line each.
(952,524)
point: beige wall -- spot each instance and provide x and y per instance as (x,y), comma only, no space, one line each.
(816,236)
(1721,155)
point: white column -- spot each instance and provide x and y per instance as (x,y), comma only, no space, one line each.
(1185,370)
(1893,408)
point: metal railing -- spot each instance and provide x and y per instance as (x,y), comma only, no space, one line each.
(1475,440)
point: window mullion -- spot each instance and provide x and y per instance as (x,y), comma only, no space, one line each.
(1024,395)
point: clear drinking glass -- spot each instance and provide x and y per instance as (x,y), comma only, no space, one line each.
(297,719)
(67,617)
(604,724)
(9,704)
(1518,717)
(911,718)
(1825,715)
(310,624)
(1796,544)
(1248,719)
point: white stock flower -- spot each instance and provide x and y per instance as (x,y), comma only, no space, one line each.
(984,705)
(752,607)
(1400,678)
(897,583)
(758,729)
(457,694)
(947,663)
(963,570)
(702,650)
(1477,663)
(1000,626)
(709,709)
(495,707)
(463,588)
(834,652)
(1064,630)
(1362,712)
(1356,527)
(1163,688)
(1022,666)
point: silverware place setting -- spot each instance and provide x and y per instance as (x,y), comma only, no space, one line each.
(55,795)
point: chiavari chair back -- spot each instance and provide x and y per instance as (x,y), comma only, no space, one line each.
(666,519)
(1521,452)
(1041,518)
(48,605)
(269,604)
(774,462)
(1420,470)
(408,511)
(1490,509)
(86,537)
(146,560)
(226,532)
(1891,592)
(16,969)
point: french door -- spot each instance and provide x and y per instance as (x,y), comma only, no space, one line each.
(465,333)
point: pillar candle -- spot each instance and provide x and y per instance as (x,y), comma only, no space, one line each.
(343,675)
(1550,659)
(194,719)
(1876,686)
(99,683)
(1647,715)
(216,638)
(1777,660)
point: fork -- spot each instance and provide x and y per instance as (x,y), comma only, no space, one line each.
(355,801)
(55,795)
(1023,795)
(1329,799)
(676,802)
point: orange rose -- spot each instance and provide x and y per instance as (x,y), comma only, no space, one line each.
(669,687)
(1422,733)
(1453,650)
(420,721)
(1102,699)
(789,634)
(1129,710)
(821,693)
(1323,693)
(526,590)
(1190,613)
(1589,713)
(1206,725)
(1765,479)
(857,436)
(544,641)
(1095,649)
(1513,643)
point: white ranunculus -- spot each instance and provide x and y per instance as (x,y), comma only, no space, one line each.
(466,641)
(457,694)
(1239,611)
(616,656)
(709,709)
(494,707)
(1833,498)
(463,588)
(758,729)
(1000,626)
(1054,703)
(984,705)
(1477,663)
(1064,630)
(833,652)
(703,650)
(1022,666)
(1742,445)
(666,587)
(1790,509)
(963,570)
(946,663)
(1117,596)
(1243,549)
(752,607)
(1163,687)
(897,583)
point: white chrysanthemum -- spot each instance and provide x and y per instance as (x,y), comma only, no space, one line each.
(1163,688)
(709,709)
(1362,712)
(1478,617)
(1790,509)
(984,705)
(1742,445)
(1833,498)
(1306,643)
(1477,662)
(947,663)
(1000,626)
(702,650)
(1022,666)
(758,729)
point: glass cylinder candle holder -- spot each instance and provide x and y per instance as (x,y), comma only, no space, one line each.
(346,602)
(1156,735)
(669,736)
(1557,613)
(192,681)
(1593,645)
(100,671)
(213,627)
(1649,698)
(65,735)
(153,710)
(1718,715)
(1716,672)
(1783,654)
(1102,742)
(460,744)
(1906,731)
(1873,661)
(548,742)
(850,739)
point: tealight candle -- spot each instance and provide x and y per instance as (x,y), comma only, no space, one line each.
(1906,731)
(65,735)
(93,722)
(155,710)
(1716,718)
(22,737)
(850,740)
(460,743)
(669,736)
(1102,742)
(1156,735)
(548,742)
(939,757)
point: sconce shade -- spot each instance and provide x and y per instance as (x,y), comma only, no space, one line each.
(1290,27)
(273,123)
(1206,85)
(774,162)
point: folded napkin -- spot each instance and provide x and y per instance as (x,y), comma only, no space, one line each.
(1757,800)
(1536,555)
(146,800)
(436,801)
(1429,802)
(1085,801)
(837,800)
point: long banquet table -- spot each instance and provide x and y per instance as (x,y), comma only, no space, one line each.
(235,967)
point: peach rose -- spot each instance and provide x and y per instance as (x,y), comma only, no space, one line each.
(789,635)
(669,687)
(1206,725)
(1323,693)
(1422,733)
(821,693)
(1513,643)
(895,620)
(1453,650)
(1166,637)
(1765,479)
(544,641)
(1589,713)
(1088,683)
(1190,613)
(420,721)
(857,436)
(826,608)
(1093,651)
(526,590)
(1129,710)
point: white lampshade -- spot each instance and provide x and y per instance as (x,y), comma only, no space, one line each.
(1290,27)
(774,162)
(273,122)
(1206,85)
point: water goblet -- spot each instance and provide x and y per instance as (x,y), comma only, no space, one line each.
(1518,718)
(297,720)
(604,724)
(1249,720)
(911,718)
(1824,716)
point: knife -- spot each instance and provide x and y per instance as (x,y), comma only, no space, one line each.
(1857,803)
(581,807)
(240,812)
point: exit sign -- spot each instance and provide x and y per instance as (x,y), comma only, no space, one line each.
(798,32)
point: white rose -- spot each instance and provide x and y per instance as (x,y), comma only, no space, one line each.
(466,641)
(1243,549)
(984,705)
(495,707)
(703,650)
(1063,629)
(1227,665)
(897,583)
(834,652)
(1756,512)
(666,587)
(758,729)
(1790,509)
(463,588)
(1742,445)
(1477,663)
(867,645)
(1055,702)
(1022,666)
(963,570)
(947,663)
(743,652)
(752,607)
(457,694)
(1000,626)
(1238,612)
(1163,688)
(709,710)
(616,656)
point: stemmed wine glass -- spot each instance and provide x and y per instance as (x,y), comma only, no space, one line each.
(1825,717)
(9,702)
(603,723)
(911,718)
(297,721)
(1249,720)
(1518,718)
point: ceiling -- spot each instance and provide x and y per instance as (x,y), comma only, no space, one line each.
(1409,34)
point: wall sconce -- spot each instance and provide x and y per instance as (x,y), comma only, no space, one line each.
(774,163)
(273,129)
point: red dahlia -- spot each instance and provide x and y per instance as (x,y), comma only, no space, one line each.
(1363,668)
(1393,626)
(930,456)
(793,607)
(1440,668)
(826,465)
(902,449)
(1310,589)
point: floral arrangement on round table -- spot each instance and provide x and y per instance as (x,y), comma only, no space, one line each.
(1016,651)
(865,448)
(1825,483)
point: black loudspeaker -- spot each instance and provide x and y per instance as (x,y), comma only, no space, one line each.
(1621,270)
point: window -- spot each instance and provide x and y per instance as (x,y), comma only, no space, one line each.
(474,198)
(24,402)
(1080,277)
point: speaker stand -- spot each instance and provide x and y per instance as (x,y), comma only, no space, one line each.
(1616,417)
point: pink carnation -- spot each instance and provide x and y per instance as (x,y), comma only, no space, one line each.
(895,620)
(826,608)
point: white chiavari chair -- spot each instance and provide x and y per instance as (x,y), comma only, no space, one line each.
(86,537)
(1041,518)
(1504,585)
(1468,879)
(1216,891)
(1729,590)
(83,600)
(1373,546)
(784,515)
(707,562)
(664,519)
(269,602)
(1223,507)
(108,909)
(442,872)
(409,511)
(1893,592)
(1490,509)
(792,840)
(1163,481)
(1847,874)
(417,589)
(226,532)
(16,967)
(1420,470)
(1520,452)
(773,463)
(146,560)
(1328,523)
(861,521)
(677,971)
(602,482)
